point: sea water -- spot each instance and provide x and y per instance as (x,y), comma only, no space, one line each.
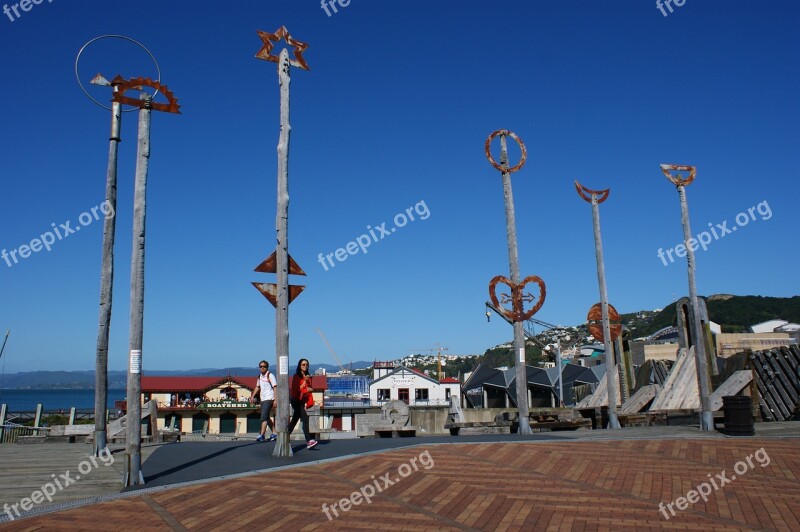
(54,400)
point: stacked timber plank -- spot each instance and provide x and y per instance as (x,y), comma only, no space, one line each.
(732,386)
(680,389)
(640,399)
(652,372)
(600,395)
(777,375)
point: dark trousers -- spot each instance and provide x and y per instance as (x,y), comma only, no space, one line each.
(299,413)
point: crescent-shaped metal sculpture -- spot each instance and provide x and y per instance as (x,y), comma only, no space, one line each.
(601,195)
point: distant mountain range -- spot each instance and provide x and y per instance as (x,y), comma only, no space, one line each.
(82,380)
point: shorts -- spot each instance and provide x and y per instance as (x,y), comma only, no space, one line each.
(266,407)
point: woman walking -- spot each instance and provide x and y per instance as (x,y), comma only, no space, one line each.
(299,394)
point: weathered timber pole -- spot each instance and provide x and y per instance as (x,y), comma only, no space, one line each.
(698,336)
(517,315)
(595,198)
(134,410)
(513,262)
(282,445)
(282,294)
(106,282)
(611,363)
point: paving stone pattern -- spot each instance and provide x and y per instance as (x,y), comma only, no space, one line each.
(562,485)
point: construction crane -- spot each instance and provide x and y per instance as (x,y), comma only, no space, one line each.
(4,343)
(333,353)
(438,349)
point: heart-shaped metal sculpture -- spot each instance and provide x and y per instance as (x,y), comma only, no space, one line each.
(518,297)
(595,318)
(677,178)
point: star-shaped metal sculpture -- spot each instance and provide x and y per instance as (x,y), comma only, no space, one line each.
(282,33)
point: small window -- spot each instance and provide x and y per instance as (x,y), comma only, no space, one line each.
(421,394)
(384,394)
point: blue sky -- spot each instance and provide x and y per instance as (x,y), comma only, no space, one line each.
(392,115)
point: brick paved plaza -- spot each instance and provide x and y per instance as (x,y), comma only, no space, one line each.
(544,485)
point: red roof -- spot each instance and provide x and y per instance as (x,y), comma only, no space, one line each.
(319,382)
(190,384)
(449,380)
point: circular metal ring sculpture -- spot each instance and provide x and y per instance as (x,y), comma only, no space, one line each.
(521,144)
(123,37)
(595,319)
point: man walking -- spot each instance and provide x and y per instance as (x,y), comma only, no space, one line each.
(265,387)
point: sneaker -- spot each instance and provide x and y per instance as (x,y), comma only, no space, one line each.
(273,437)
(260,438)
(311,444)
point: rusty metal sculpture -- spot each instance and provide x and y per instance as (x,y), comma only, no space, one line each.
(282,34)
(703,380)
(517,314)
(595,322)
(171,106)
(517,298)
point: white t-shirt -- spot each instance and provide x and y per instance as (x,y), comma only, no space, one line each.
(267,384)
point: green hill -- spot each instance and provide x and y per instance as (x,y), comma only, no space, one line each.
(733,313)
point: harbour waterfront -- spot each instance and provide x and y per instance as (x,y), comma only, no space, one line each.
(26,400)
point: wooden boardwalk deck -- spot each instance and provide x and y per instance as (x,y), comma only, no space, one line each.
(26,468)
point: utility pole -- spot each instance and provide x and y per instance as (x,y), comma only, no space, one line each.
(596,198)
(703,381)
(517,298)
(282,294)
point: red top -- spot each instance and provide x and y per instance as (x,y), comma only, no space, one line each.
(297,390)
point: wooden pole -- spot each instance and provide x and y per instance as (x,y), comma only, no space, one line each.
(707,417)
(134,413)
(611,365)
(513,262)
(106,283)
(283,446)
